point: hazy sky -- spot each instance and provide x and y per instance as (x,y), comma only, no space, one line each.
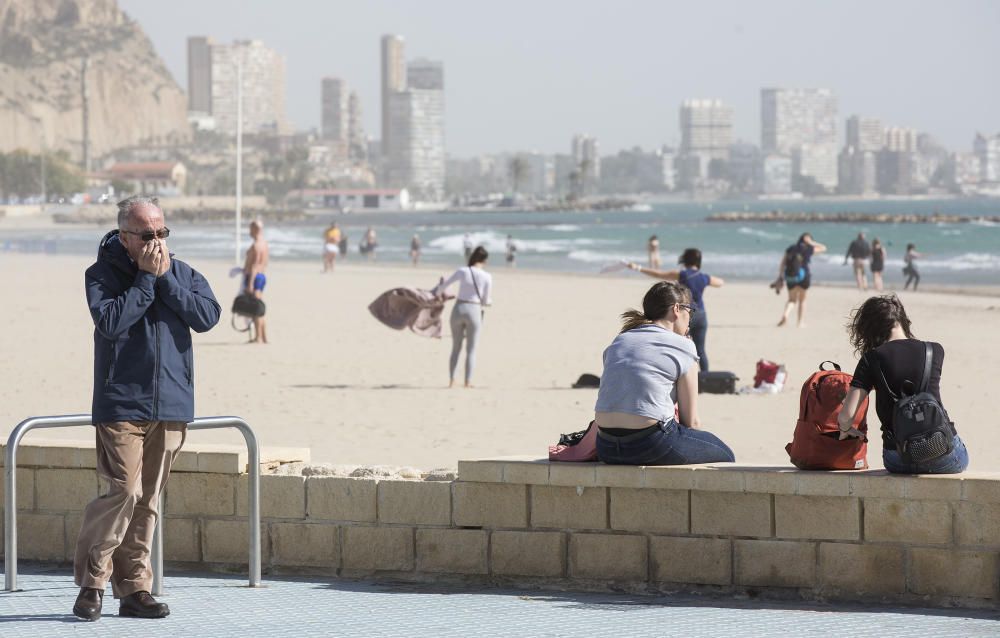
(528,74)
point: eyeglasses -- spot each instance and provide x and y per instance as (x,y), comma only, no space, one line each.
(150,235)
(691,309)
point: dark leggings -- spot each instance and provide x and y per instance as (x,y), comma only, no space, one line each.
(912,276)
(697,329)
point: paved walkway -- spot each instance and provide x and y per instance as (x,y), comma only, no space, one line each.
(214,605)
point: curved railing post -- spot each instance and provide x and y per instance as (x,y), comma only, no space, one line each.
(10,492)
(10,485)
(253,487)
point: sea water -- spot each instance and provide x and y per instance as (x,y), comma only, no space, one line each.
(586,241)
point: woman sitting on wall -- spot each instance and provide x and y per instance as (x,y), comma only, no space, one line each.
(648,368)
(897,365)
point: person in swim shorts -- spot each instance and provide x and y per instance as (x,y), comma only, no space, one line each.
(254,278)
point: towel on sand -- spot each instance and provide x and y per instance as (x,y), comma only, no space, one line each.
(413,308)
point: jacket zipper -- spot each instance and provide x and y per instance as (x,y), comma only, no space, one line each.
(156,364)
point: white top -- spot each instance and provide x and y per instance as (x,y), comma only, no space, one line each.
(466,288)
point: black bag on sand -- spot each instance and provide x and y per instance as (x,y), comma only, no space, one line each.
(248,306)
(588,381)
(717,382)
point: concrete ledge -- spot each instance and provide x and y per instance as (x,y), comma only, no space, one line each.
(194,457)
(980,487)
(754,530)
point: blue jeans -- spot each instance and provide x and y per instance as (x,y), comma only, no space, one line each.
(664,444)
(954,462)
(697,329)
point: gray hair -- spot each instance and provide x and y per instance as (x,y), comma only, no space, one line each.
(127,205)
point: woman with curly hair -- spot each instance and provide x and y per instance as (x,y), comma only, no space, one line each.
(892,359)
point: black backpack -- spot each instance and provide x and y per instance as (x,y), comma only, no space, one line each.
(795,265)
(920,424)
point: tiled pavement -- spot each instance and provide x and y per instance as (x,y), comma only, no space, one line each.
(213,605)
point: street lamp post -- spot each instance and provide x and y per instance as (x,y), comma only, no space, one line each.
(239,152)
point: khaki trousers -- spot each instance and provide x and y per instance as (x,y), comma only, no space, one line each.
(134,459)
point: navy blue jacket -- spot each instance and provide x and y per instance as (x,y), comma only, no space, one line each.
(143,364)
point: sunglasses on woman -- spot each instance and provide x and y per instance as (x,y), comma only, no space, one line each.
(150,235)
(691,309)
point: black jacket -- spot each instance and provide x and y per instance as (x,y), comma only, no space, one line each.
(143,364)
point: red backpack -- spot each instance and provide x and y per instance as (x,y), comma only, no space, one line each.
(816,444)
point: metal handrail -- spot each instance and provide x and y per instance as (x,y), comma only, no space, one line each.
(207,423)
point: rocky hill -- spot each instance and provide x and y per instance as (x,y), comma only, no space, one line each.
(132,97)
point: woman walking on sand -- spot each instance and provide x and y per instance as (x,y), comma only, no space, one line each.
(794,272)
(878,263)
(695,281)
(910,269)
(415,249)
(647,368)
(475,287)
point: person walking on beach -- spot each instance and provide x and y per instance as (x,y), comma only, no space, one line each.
(415,249)
(859,252)
(696,282)
(475,288)
(910,268)
(331,246)
(467,246)
(344,245)
(892,359)
(511,251)
(144,303)
(878,263)
(794,272)
(254,277)
(653,252)
(369,244)
(647,369)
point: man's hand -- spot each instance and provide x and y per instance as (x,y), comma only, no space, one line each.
(164,253)
(149,258)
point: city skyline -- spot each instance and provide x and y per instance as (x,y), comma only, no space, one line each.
(533,84)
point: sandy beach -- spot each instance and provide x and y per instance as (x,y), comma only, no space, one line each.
(355,392)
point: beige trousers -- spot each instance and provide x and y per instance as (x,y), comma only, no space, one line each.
(134,459)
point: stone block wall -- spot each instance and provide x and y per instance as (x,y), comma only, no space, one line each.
(864,536)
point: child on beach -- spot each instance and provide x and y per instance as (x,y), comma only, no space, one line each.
(794,271)
(695,281)
(891,359)
(648,367)
(474,294)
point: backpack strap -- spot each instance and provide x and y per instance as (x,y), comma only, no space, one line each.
(928,360)
(472,274)
(885,384)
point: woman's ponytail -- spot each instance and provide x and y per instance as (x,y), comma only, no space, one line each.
(632,319)
(656,304)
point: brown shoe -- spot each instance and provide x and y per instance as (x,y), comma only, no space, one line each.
(88,604)
(142,605)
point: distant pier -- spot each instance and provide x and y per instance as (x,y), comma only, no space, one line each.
(849,217)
